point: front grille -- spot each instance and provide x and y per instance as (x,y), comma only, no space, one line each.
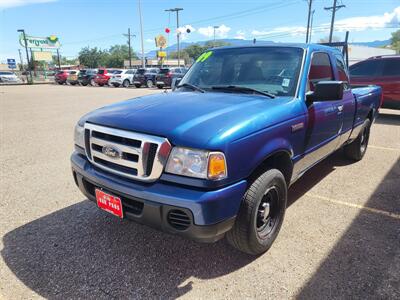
(178,219)
(134,155)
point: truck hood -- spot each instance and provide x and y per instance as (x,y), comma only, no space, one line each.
(199,120)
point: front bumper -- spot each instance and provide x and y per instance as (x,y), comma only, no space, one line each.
(210,213)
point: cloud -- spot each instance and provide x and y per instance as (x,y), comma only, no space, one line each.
(220,32)
(183,31)
(240,35)
(387,20)
(14,3)
(289,30)
(149,41)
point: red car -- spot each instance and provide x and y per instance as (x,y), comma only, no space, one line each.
(103,76)
(383,71)
(61,76)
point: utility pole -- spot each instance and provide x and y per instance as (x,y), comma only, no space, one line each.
(27,55)
(311,25)
(308,19)
(215,28)
(20,59)
(334,8)
(177,32)
(141,33)
(58,59)
(129,35)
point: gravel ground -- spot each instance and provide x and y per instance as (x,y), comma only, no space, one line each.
(340,238)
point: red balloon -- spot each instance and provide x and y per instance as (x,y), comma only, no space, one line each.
(167,30)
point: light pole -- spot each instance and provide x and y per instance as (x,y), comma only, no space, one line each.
(20,59)
(177,33)
(27,55)
(141,33)
(215,28)
(311,24)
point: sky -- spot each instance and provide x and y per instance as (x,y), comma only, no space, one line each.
(101,23)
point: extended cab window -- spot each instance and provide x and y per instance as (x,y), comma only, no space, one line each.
(342,71)
(320,69)
(367,68)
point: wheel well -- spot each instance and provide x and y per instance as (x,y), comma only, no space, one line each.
(371,115)
(281,161)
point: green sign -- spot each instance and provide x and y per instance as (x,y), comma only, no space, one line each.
(50,42)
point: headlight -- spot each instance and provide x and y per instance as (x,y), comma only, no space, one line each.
(197,163)
(79,136)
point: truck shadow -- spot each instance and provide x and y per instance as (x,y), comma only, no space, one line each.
(365,262)
(82,252)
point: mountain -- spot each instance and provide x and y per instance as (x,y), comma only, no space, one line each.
(375,44)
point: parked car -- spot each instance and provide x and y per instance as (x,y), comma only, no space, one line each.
(73,77)
(122,78)
(216,156)
(145,77)
(61,76)
(383,71)
(87,76)
(8,77)
(166,75)
(103,76)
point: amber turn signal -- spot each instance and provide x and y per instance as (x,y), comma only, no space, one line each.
(217,166)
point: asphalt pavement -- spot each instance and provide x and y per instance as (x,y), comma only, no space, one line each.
(340,238)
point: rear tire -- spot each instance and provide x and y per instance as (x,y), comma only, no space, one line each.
(137,85)
(357,148)
(125,83)
(261,214)
(92,82)
(160,86)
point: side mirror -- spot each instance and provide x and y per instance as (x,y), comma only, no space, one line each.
(326,91)
(175,83)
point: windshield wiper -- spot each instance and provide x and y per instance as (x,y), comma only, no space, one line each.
(191,86)
(238,88)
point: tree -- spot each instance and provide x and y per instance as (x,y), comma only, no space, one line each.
(117,55)
(194,51)
(64,60)
(93,57)
(395,41)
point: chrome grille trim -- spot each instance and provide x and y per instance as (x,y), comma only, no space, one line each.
(142,174)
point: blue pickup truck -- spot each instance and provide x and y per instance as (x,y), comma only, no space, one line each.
(215,156)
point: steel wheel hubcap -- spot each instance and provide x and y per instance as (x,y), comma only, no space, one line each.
(267,212)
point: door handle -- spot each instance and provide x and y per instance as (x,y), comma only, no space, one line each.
(340,108)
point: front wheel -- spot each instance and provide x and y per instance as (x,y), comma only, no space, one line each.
(357,148)
(261,214)
(149,83)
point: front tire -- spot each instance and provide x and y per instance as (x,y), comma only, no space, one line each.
(149,83)
(261,214)
(357,148)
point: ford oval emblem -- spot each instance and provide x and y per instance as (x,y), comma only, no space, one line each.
(111,151)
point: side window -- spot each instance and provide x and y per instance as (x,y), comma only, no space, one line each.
(366,68)
(391,67)
(320,69)
(343,76)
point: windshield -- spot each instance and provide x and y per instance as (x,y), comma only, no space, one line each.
(101,72)
(269,69)
(164,71)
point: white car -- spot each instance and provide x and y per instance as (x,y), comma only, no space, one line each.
(122,78)
(8,77)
